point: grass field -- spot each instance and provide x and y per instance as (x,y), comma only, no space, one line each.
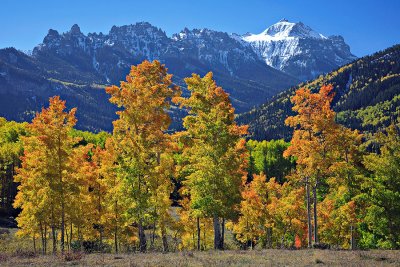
(18,252)
(213,258)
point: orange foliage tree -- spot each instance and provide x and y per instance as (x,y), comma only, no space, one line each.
(312,142)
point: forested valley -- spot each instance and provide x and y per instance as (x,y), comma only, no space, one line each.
(144,188)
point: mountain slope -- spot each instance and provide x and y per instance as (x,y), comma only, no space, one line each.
(25,87)
(78,67)
(106,58)
(367,97)
(296,49)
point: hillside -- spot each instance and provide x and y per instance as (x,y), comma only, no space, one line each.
(367,97)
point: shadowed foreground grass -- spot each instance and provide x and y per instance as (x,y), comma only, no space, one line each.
(212,258)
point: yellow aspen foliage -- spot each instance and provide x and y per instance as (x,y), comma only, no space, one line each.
(216,154)
(140,138)
(45,170)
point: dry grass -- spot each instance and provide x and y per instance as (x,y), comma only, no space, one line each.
(19,252)
(223,258)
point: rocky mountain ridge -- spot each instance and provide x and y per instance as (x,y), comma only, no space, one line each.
(78,66)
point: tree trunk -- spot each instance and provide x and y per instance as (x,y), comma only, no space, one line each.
(352,241)
(62,227)
(80,238)
(222,234)
(217,233)
(315,215)
(101,238)
(70,237)
(116,239)
(198,233)
(67,237)
(164,238)
(116,226)
(101,228)
(153,236)
(309,226)
(53,233)
(204,236)
(268,238)
(43,243)
(42,236)
(62,196)
(142,238)
(45,239)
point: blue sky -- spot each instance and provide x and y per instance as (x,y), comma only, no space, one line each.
(366,25)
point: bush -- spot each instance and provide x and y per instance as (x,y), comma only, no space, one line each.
(90,247)
(75,246)
(321,246)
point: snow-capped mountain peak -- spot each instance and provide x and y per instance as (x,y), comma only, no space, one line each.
(297,49)
(283,30)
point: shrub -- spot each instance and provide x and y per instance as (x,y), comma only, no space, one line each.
(321,246)
(91,246)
